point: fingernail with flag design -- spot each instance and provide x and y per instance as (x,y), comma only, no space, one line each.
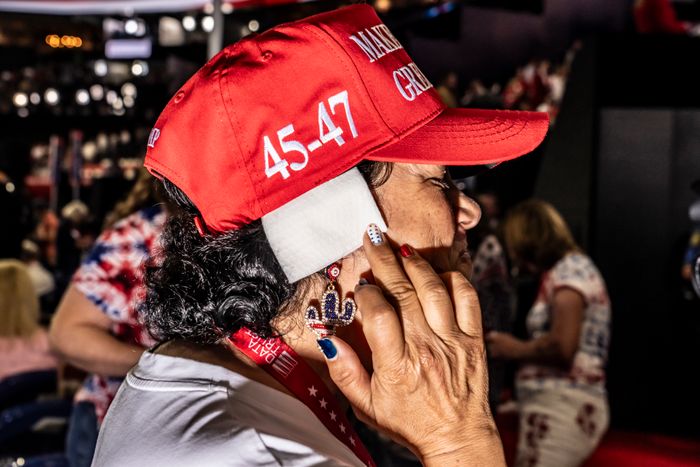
(375,235)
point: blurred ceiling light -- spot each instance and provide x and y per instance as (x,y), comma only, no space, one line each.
(37,151)
(51,96)
(23,112)
(35,98)
(208,8)
(102,140)
(124,137)
(139,68)
(253,25)
(189,23)
(129,102)
(208,23)
(170,32)
(97,92)
(89,150)
(128,89)
(112,26)
(10,187)
(227,8)
(131,26)
(111,97)
(55,41)
(20,99)
(82,97)
(119,112)
(382,5)
(118,104)
(101,68)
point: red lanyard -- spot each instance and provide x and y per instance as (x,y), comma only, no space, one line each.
(287,367)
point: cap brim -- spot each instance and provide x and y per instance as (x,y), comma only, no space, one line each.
(468,137)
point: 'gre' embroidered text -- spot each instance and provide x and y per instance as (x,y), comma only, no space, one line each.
(410,81)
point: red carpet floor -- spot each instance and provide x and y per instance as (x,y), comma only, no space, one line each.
(620,449)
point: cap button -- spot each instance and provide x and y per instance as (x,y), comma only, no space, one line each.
(266,55)
(179,96)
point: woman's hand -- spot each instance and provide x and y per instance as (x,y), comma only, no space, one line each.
(556,347)
(429,385)
(504,345)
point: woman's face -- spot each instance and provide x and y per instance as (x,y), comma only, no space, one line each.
(424,209)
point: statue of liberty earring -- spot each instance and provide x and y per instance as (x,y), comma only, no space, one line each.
(333,313)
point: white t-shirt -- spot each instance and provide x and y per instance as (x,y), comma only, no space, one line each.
(174,411)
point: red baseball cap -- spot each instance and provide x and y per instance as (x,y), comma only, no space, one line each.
(277,114)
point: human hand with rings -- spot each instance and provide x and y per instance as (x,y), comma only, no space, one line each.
(428,389)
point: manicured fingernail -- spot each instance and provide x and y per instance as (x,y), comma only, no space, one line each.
(363,281)
(406,251)
(375,235)
(328,349)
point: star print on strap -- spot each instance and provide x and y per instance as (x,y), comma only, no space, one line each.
(286,366)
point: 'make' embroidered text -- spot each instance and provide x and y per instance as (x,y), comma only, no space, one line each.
(376,41)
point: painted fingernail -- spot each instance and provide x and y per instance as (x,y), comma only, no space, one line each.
(363,281)
(328,349)
(375,235)
(406,251)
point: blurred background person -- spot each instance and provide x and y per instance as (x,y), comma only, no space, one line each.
(658,17)
(42,279)
(45,235)
(693,249)
(479,96)
(74,238)
(11,212)
(491,279)
(24,344)
(32,416)
(96,327)
(561,381)
(447,88)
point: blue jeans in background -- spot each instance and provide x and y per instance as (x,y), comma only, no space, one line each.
(82,435)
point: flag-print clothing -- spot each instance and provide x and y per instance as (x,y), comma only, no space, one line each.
(559,427)
(111,277)
(575,271)
(564,412)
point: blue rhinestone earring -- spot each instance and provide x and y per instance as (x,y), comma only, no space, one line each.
(333,312)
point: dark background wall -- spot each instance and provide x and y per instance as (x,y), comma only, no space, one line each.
(619,166)
(647,159)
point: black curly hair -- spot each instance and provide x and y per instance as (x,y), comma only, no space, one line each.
(202,289)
